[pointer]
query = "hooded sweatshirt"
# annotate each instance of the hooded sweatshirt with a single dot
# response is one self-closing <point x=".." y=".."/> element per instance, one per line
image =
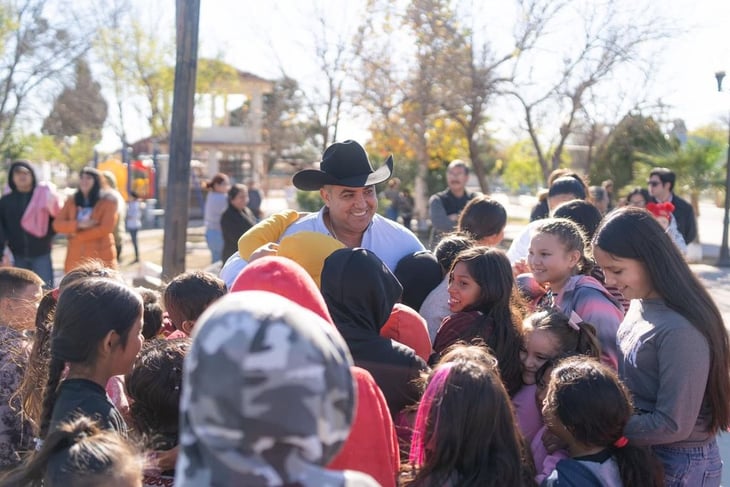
<point x="360" y="293"/>
<point x="372" y="446"/>
<point x="281" y="404"/>
<point x="12" y="208"/>
<point x="595" y="305"/>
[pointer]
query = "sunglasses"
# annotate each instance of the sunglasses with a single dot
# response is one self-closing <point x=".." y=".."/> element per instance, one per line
<point x="654" y="183"/>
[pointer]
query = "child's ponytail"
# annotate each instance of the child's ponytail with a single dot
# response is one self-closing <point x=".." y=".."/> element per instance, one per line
<point x="586" y="265"/>
<point x="77" y="453"/>
<point x="588" y="343"/>
<point x="589" y="400"/>
<point x="86" y="312"/>
<point x="637" y="465"/>
<point x="55" y="371"/>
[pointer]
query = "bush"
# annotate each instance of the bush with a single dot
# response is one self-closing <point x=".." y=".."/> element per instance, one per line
<point x="309" y="200"/>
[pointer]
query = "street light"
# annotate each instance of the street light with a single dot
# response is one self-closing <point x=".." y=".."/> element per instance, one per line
<point x="724" y="259"/>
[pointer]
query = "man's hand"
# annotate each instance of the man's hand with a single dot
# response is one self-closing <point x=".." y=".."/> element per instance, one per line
<point x="269" y="230"/>
<point x="454" y="217"/>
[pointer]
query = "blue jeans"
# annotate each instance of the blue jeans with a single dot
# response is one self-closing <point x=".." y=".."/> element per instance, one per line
<point x="41" y="265"/>
<point x="691" y="467"/>
<point x="214" y="238"/>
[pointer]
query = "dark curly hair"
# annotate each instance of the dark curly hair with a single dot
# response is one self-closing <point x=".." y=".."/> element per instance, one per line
<point x="155" y="384"/>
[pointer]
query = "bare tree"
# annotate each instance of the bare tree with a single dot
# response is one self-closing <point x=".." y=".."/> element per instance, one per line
<point x="36" y="54"/>
<point x="404" y="96"/>
<point x="613" y="36"/>
<point x="476" y="72"/>
<point x="138" y="65"/>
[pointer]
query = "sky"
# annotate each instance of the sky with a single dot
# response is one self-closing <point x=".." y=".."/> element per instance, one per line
<point x="265" y="38"/>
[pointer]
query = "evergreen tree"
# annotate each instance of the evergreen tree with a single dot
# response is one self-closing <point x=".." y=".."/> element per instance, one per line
<point x="80" y="109"/>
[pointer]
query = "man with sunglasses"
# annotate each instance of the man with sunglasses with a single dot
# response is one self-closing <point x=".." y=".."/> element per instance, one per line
<point x="661" y="186"/>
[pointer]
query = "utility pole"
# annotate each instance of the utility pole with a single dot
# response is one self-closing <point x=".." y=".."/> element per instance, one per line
<point x="187" y="15"/>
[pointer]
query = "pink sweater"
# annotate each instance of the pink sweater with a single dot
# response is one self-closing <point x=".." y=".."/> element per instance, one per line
<point x="44" y="204"/>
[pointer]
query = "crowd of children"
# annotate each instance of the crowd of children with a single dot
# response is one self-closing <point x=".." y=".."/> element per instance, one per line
<point x="605" y="364"/>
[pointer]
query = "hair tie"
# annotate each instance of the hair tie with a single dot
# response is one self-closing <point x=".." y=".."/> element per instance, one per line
<point x="55" y="292"/>
<point x="621" y="442"/>
<point x="574" y="321"/>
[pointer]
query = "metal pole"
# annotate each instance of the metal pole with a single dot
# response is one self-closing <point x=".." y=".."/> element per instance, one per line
<point x="724" y="259"/>
<point x="156" y="168"/>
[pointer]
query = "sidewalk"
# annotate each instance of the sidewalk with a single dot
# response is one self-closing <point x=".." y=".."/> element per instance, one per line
<point x="150" y="251"/>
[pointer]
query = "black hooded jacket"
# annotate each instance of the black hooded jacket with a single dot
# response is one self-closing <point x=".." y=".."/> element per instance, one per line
<point x="12" y="207"/>
<point x="360" y="293"/>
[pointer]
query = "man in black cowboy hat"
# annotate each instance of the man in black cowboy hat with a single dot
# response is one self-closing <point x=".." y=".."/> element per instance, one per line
<point x="346" y="182"/>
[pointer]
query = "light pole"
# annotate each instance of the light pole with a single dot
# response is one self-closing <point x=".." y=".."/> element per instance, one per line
<point x="724" y="259"/>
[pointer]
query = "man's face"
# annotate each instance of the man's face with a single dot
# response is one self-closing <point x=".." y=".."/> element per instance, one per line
<point x="456" y="179"/>
<point x="23" y="179"/>
<point x="657" y="189"/>
<point x="350" y="209"/>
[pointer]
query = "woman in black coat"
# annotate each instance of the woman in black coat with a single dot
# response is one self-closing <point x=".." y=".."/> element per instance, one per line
<point x="236" y="220"/>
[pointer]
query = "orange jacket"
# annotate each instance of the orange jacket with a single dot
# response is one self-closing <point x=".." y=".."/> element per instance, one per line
<point x="91" y="243"/>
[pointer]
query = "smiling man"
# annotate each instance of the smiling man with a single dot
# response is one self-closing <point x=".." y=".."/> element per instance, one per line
<point x="346" y="182"/>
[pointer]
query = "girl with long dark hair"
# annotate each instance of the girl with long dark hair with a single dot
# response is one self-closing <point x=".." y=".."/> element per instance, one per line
<point x="674" y="352"/>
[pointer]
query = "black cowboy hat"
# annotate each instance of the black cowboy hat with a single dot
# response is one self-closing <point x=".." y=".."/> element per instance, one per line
<point x="343" y="164"/>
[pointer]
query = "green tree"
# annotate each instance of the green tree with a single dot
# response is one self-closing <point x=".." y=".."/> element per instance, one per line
<point x="634" y="135"/>
<point x="520" y="168"/>
<point x="40" y="148"/>
<point x="288" y="133"/>
<point x="78" y="151"/>
<point x="78" y="109"/>
<point x="607" y="38"/>
<point x="698" y="164"/>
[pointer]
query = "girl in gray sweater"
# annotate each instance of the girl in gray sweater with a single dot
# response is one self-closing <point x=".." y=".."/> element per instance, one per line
<point x="673" y="348"/>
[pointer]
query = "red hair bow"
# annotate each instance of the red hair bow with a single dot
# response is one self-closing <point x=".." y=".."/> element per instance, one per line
<point x="661" y="209"/>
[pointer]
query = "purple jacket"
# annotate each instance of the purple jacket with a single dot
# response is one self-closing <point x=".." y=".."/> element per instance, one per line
<point x="595" y="305"/>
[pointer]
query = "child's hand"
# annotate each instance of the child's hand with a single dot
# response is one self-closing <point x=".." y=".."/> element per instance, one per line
<point x="520" y="267"/>
<point x="552" y="443"/>
<point x="166" y="459"/>
<point x="270" y="248"/>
